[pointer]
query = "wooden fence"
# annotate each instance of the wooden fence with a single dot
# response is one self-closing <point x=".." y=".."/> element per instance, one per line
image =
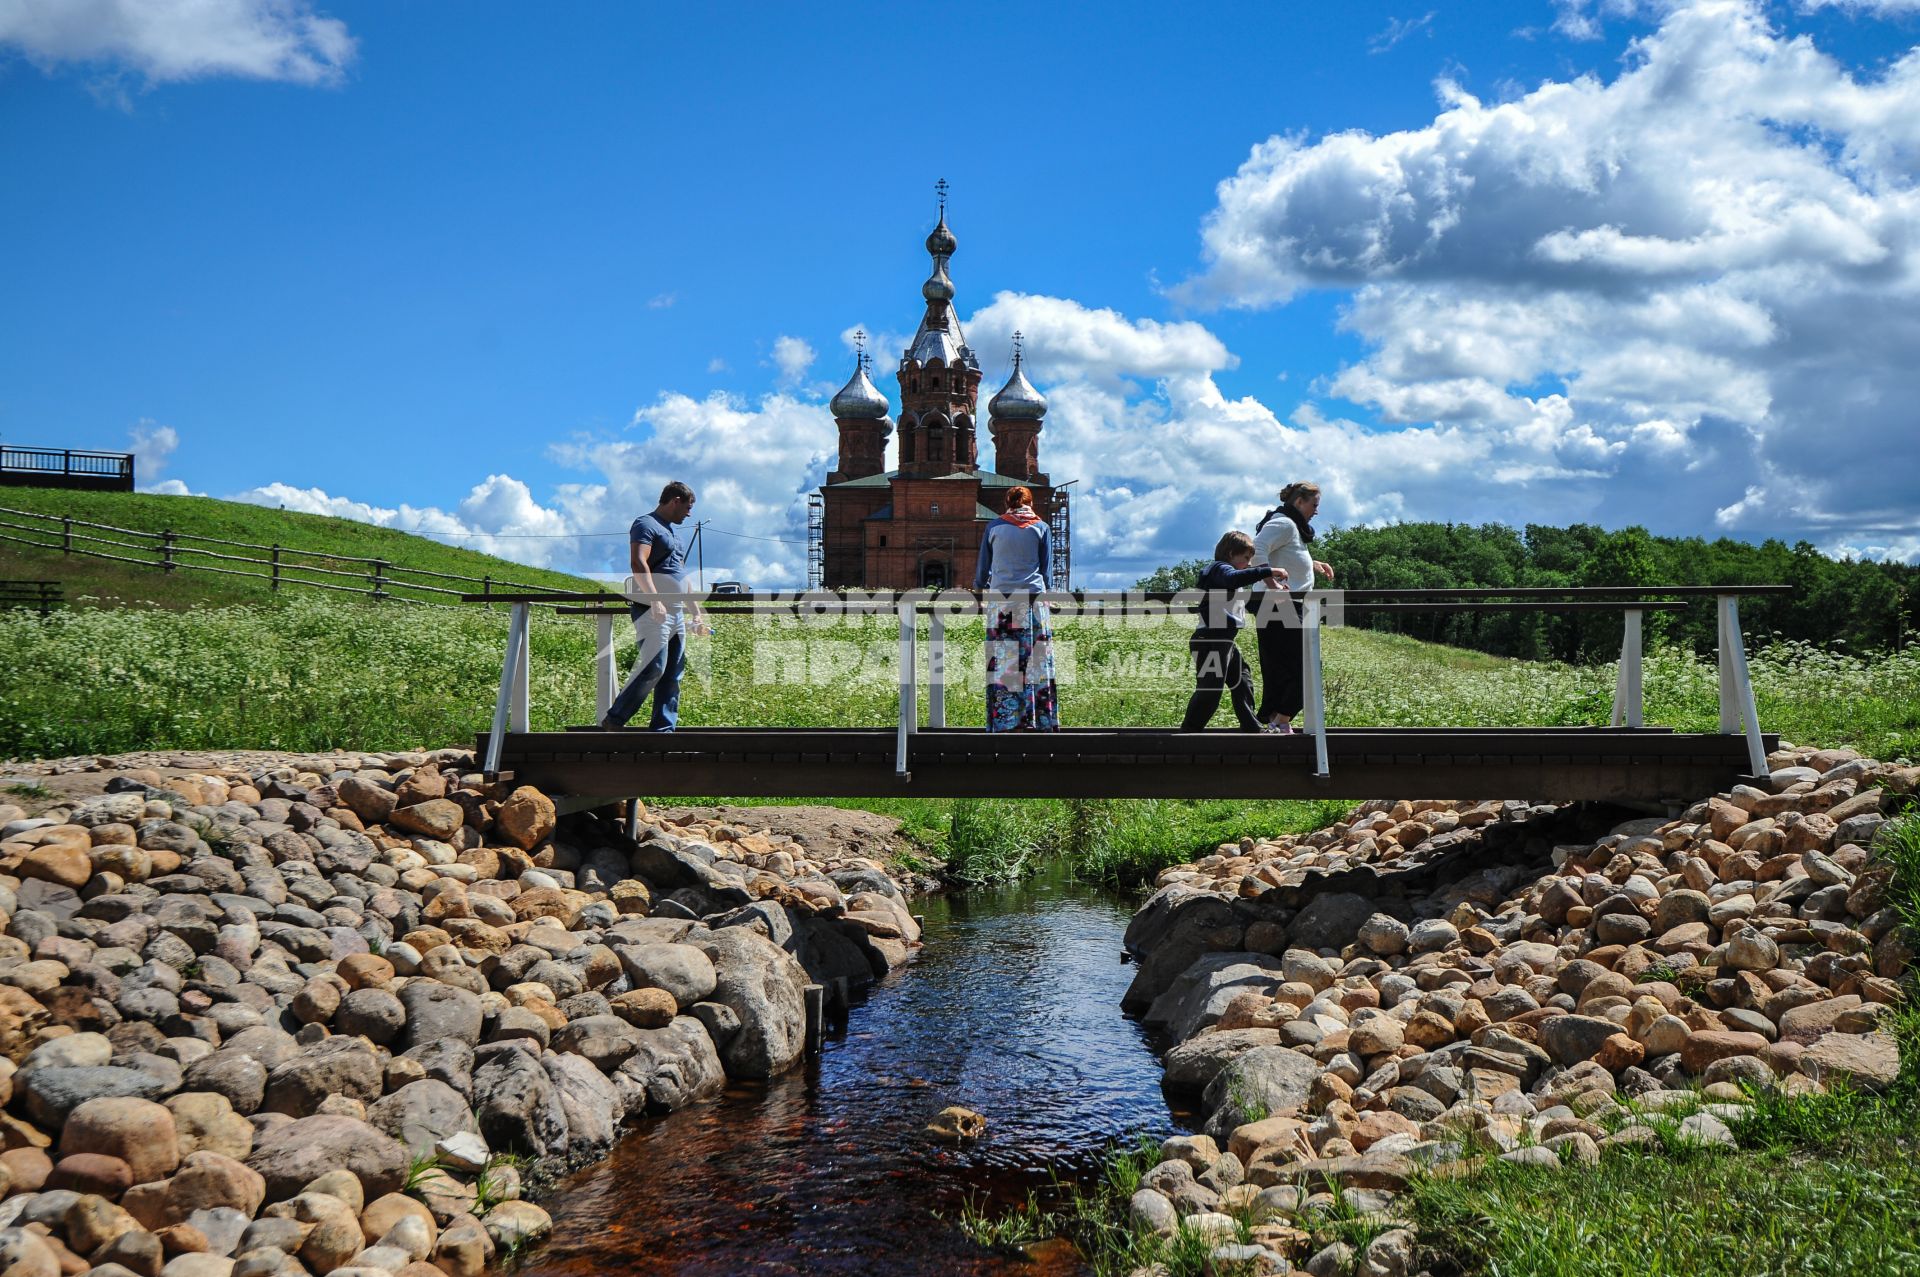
<point x="39" y="596"/>
<point x="170" y="551"/>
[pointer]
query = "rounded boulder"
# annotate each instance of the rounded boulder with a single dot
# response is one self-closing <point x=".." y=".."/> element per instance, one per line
<point x="139" y="1132"/>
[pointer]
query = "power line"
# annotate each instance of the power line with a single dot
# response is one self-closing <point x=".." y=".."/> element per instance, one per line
<point x="745" y="537"/>
<point x="568" y="536"/>
<point x="516" y="536"/>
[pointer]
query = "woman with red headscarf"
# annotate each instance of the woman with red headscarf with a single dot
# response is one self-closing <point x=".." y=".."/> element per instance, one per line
<point x="1015" y="564"/>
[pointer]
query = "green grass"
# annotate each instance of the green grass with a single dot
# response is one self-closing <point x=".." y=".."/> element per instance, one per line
<point x="489" y="1186"/>
<point x="99" y="582"/>
<point x="321" y="673"/>
<point x="1119" y="842"/>
<point x="421" y="1167"/>
<point x="1094" y="1217"/>
<point x="1031" y="1221"/>
<point x="1821" y="1185"/>
<point x="1691" y="1214"/>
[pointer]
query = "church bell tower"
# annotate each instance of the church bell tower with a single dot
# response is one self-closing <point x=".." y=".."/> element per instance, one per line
<point x="939" y="375"/>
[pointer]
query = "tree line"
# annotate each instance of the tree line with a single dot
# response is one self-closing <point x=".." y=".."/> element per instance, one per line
<point x="1859" y="604"/>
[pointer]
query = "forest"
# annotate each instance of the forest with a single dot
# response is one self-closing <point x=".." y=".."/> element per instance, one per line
<point x="1859" y="605"/>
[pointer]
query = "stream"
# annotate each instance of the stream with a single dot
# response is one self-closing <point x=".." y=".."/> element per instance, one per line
<point x="1011" y="1008"/>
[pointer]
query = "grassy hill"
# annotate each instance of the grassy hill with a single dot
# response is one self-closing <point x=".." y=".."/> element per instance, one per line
<point x="324" y="542"/>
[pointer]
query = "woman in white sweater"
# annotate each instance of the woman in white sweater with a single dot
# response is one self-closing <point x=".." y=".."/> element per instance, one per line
<point x="1280" y="540"/>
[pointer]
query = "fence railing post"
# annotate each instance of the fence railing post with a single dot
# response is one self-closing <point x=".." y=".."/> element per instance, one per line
<point x="379" y="579"/>
<point x="603" y="668"/>
<point x="1315" y="685"/>
<point x="166" y="550"/>
<point x="508" y="701"/>
<point x="522" y="673"/>
<point x="276" y="567"/>
<point x="1737" y="706"/>
<point x="936" y="668"/>
<point x="66" y="534"/>
<point x="1628" y="699"/>
<point x="909" y="704"/>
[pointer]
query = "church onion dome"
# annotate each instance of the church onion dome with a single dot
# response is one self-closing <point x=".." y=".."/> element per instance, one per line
<point x="1017" y="400"/>
<point x="941" y="242"/>
<point x="939" y="285"/>
<point x="860" y="400"/>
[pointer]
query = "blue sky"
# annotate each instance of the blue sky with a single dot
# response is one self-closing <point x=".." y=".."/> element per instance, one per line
<point x="495" y="271"/>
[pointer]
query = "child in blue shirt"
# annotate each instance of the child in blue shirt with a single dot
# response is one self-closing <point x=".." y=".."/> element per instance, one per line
<point x="1217" y="663"/>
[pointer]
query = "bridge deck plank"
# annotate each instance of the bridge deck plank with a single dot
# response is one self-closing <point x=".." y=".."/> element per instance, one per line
<point x="1618" y="764"/>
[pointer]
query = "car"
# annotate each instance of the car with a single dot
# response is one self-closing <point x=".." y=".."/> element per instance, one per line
<point x="731" y="587"/>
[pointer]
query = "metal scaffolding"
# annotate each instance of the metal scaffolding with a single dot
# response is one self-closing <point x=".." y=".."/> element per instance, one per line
<point x="816" y="540"/>
<point x="1060" y="529"/>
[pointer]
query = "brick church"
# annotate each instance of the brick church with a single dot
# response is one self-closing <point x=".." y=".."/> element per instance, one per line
<point x="919" y="524"/>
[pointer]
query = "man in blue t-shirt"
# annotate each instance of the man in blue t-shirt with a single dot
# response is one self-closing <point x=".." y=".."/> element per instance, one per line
<point x="658" y="562"/>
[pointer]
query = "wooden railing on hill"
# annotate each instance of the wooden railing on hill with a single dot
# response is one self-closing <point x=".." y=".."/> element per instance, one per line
<point x="170" y="551"/>
<point x="40" y="596"/>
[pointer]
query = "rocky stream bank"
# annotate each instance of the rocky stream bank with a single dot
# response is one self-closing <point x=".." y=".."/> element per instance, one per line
<point x="327" y="1015"/>
<point x="1428" y="985"/>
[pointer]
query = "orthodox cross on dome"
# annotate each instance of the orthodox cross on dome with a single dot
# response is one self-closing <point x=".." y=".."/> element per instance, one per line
<point x="860" y="348"/>
<point x="1016" y="349"/>
<point x="940" y="191"/>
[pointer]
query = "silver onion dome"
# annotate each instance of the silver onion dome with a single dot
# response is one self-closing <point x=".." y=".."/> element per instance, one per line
<point x="941" y="242"/>
<point x="859" y="400"/>
<point x="1017" y="400"/>
<point x="939" y="285"/>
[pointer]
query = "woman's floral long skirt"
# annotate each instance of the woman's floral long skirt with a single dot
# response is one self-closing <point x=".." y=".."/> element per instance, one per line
<point x="1020" y="692"/>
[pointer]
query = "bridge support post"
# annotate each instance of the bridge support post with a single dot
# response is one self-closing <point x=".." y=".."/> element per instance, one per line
<point x="909" y="701"/>
<point x="603" y="669"/>
<point x="1312" y="682"/>
<point x="815" y="998"/>
<point x="522" y="676"/>
<point x="1628" y="699"/>
<point x="936" y="667"/>
<point x="511" y="703"/>
<point x="1737" y="707"/>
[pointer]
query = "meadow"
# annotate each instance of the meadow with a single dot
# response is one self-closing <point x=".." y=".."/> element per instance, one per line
<point x="311" y="673"/>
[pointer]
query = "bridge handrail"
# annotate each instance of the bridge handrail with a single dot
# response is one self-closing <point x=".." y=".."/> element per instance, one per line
<point x="890" y="598"/>
<point x="1738" y="711"/>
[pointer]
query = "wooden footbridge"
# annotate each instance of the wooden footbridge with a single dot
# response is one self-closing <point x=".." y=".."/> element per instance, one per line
<point x="1621" y="761"/>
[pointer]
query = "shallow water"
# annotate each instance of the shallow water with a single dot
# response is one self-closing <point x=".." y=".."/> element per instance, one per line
<point x="1011" y="1008"/>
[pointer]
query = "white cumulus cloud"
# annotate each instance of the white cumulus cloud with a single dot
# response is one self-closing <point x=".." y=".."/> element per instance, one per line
<point x="751" y="465"/>
<point x="1698" y="279"/>
<point x="792" y="357"/>
<point x="171" y="40"/>
<point x="153" y="445"/>
<point x="498" y="516"/>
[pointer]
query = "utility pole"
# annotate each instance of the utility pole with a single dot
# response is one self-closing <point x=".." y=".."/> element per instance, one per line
<point x="700" y="557"/>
